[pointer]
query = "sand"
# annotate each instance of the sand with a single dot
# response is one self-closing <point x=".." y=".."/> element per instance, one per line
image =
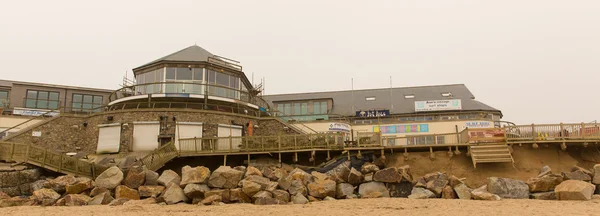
<point x="381" y="206"/>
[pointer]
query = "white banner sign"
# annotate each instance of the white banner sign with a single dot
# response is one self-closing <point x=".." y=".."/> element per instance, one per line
<point x="438" y="105"/>
<point x="33" y="112"/>
<point x="339" y="127"/>
<point x="478" y="124"/>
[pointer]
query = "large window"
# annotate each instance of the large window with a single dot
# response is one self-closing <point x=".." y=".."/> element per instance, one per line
<point x="232" y="84"/>
<point x="41" y="99"/>
<point x="3" y="98"/>
<point x="86" y="103"/>
<point x="293" y="108"/>
<point x="320" y="108"/>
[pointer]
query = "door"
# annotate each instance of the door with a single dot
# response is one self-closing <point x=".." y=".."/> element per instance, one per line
<point x="145" y="136"/>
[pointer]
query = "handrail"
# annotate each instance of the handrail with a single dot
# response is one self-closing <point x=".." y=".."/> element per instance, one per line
<point x="31" y="119"/>
<point x="183" y="105"/>
<point x="279" y="114"/>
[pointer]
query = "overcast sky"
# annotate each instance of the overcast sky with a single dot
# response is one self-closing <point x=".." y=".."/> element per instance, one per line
<point x="537" y="61"/>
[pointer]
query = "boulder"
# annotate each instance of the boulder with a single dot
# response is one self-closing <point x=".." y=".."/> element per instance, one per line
<point x="462" y="191"/>
<point x="148" y="201"/>
<point x="299" y="199"/>
<point x="250" y="188"/>
<point x="596" y="178"/>
<point x="16" y="201"/>
<point x="173" y="194"/>
<point x="262" y="181"/>
<point x="225" y="177"/>
<point x="274" y="173"/>
<point x="272" y="186"/>
<point x="421" y="182"/>
<point x="39" y="184"/>
<point x="60" y="183"/>
<point x="150" y="191"/>
<point x="253" y="171"/>
<point x="368" y="177"/>
<point x="340" y="172"/>
<point x="77" y="200"/>
<point x="437" y="186"/>
<point x="45" y="197"/>
<point x="118" y="202"/>
<point x="224" y="193"/>
<point x="301" y="175"/>
<point x="317" y="176"/>
<point x="195" y="175"/>
<point x="79" y="186"/>
<point x="101" y="199"/>
<point x="329" y="199"/>
<point x="355" y="178"/>
<point x="264" y="198"/>
<point x="313" y="199"/>
<point x="97" y="191"/>
<point x="168" y="177"/>
<point x="196" y="191"/>
<point x="483" y="194"/>
<point x="448" y="193"/>
<point x="421" y="193"/>
<point x="577" y="175"/>
<point x="544" y="196"/>
<point x="136" y="176"/>
<point x="211" y="199"/>
<point x="322" y="188"/>
<point x="545" y="171"/>
<point x="373" y="190"/>
<point x="59" y="202"/>
<point x="281" y="195"/>
<point x="298" y="188"/>
<point x="454" y="181"/>
<point x="508" y="188"/>
<point x="574" y="190"/>
<point x="110" y="178"/>
<point x="405" y="173"/>
<point x="369" y="168"/>
<point x="388" y="175"/>
<point x="4" y="196"/>
<point x="240" y="168"/>
<point x="401" y="189"/>
<point x="123" y="191"/>
<point x="238" y="196"/>
<point x="344" y="191"/>
<point x="432" y="176"/>
<point x="544" y="183"/>
<point x="151" y="177"/>
<point x="583" y="170"/>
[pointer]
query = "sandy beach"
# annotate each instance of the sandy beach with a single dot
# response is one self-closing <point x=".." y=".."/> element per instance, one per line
<point x="381" y="206"/>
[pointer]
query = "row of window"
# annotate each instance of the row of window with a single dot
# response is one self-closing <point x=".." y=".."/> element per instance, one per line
<point x="302" y="108"/>
<point x="429" y="118"/>
<point x="50" y="100"/>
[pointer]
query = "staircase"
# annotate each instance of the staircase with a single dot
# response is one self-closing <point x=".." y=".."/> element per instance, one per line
<point x="490" y="153"/>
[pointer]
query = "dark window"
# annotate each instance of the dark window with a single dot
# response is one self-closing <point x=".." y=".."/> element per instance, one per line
<point x="170" y="73"/>
<point x="41" y="99"/>
<point x="184" y="74"/>
<point x="198" y="74"/>
<point x="86" y="103"/>
<point x="3" y="98"/>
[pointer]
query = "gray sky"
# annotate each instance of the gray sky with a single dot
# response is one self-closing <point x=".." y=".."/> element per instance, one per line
<point x="537" y="61"/>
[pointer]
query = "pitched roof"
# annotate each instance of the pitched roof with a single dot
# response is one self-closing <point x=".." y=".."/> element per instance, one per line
<point x="189" y="54"/>
<point x="343" y="100"/>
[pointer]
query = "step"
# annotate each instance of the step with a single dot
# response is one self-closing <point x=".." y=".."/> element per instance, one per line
<point x="476" y="151"/>
<point x="493" y="160"/>
<point x="489" y="146"/>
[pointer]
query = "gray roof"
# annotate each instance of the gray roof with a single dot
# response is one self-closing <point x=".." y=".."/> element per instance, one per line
<point x="193" y="53"/>
<point x="342" y="100"/>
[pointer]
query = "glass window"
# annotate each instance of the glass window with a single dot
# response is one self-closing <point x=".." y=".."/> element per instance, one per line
<point x="297" y="108"/>
<point x="170" y="73"/>
<point x="160" y="75"/>
<point x="280" y="107"/>
<point x="198" y="75"/>
<point x="222" y="79"/>
<point x="317" y="108"/>
<point x="323" y="107"/>
<point x="86" y="103"/>
<point x="234" y="82"/>
<point x="3" y="98"/>
<point x="287" y="109"/>
<point x="184" y="74"/>
<point x="42" y="99"/>
<point x="304" y="110"/>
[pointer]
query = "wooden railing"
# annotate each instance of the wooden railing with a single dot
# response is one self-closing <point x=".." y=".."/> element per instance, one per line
<point x="157" y="158"/>
<point x="429" y="140"/>
<point x="580" y="132"/>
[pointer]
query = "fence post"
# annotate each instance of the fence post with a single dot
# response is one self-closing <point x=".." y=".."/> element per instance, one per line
<point x="295" y="142"/>
<point x="562" y="131"/>
<point x="12" y="151"/>
<point x="262" y="143"/>
<point x="195" y="145"/>
<point x="230" y="143"/>
<point x="533" y="137"/>
<point x="327" y="141"/>
<point x="27" y="153"/>
<point x="279" y="144"/>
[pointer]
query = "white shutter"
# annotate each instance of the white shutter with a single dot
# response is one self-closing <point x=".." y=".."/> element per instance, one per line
<point x="226" y="131"/>
<point x="186" y="130"/>
<point x="109" y="138"/>
<point x="145" y="136"/>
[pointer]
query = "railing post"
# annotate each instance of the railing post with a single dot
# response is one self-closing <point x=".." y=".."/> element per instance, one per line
<point x="230" y="143"/>
<point x="12" y="151"/>
<point x="295" y="141"/>
<point x="562" y="131"/>
<point x="262" y="143"/>
<point x="533" y="136"/>
<point x="279" y="143"/>
<point x="435" y="139"/>
<point x="195" y="145"/>
<point x="327" y="141"/>
<point x="27" y="153"/>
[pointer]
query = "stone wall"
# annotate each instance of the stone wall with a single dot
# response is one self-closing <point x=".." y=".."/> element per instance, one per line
<point x="17" y="180"/>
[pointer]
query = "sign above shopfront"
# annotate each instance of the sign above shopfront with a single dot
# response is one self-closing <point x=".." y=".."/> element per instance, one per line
<point x="372" y="113"/>
<point x="438" y="105"/>
<point x="339" y="127"/>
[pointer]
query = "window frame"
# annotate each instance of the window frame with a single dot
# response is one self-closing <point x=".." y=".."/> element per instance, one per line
<point x="94" y="106"/>
<point x="37" y="99"/>
<point x="4" y="102"/>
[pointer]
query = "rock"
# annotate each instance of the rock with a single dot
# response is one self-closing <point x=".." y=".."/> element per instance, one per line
<point x="250" y="188"/>
<point x="101" y="199"/>
<point x="253" y="171"/>
<point x="238" y="196"/>
<point x="150" y="191"/>
<point x="301" y="175"/>
<point x="299" y="199"/>
<point x="80" y="185"/>
<point x="135" y="177"/>
<point x="448" y="193"/>
<point x="76" y="200"/>
<point x="373" y="190"/>
<point x="421" y="183"/>
<point x="224" y="193"/>
<point x="272" y="186"/>
<point x="196" y="175"/>
<point x="60" y="202"/>
<point x="462" y="191"/>
<point x="596" y="178"/>
<point x="405" y="173"/>
<point x="39" y="184"/>
<point x="168" y="177"/>
<point x="344" y="191"/>
<point x="545" y="171"/>
<point x="368" y="177"/>
<point x="508" y="188"/>
<point x="328" y="199"/>
<point x="577" y="175"/>
<point x="211" y="199"/>
<point x="574" y="190"/>
<point x="596" y="197"/>
<point x="340" y="172"/>
<point x="45" y="197"/>
<point x="355" y="178"/>
<point x="240" y="168"/>
<point x="151" y="177"/>
<point x="298" y="188"/>
<point x="148" y="201"/>
<point x="402" y="189"/>
<point x="369" y="168"/>
<point x="483" y="194"/>
<point x="454" y="181"/>
<point x="544" y="196"/>
<point x="60" y="183"/>
<point x="173" y="194"/>
<point x="317" y="176"/>
<point x="118" y="202"/>
<point x="16" y="201"/>
<point x="274" y="174"/>
<point x="421" y="193"/>
<point x="388" y="175"/>
<point x="437" y="186"/>
<point x="281" y="195"/>
<point x="225" y="177"/>
<point x="123" y="191"/>
<point x="110" y="178"/>
<point x="264" y="198"/>
<point x="583" y="170"/>
<point x="544" y="183"/>
<point x="196" y="191"/>
<point x="4" y="196"/>
<point x="313" y="199"/>
<point x="97" y="191"/>
<point x="322" y="188"/>
<point x="432" y="176"/>
<point x="262" y="181"/>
